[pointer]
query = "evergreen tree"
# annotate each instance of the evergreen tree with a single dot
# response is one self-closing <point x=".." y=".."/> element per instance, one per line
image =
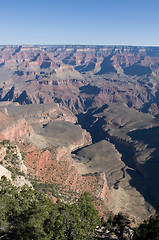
<point x="149" y="230"/>
<point x="26" y="214"/>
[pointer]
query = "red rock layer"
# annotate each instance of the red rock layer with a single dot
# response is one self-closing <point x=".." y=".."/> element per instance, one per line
<point x="12" y="129"/>
<point x="56" y="166"/>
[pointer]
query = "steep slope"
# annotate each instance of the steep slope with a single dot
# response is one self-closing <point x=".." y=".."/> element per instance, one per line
<point x="46" y="152"/>
<point x="110" y="89"/>
<point x="135" y="136"/>
<point x="109" y="169"/>
<point x="13" y="129"/>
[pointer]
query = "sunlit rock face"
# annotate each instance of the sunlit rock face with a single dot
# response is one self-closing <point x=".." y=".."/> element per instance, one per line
<point x="80" y="77"/>
<point x="86" y="117"/>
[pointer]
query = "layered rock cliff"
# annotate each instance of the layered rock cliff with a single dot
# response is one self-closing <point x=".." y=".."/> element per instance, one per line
<point x="46" y="152"/>
<point x="110" y="89"/>
<point x="79" y="77"/>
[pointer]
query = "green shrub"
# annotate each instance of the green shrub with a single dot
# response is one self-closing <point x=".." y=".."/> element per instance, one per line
<point x="148" y="230"/>
<point x="5" y="142"/>
<point x="27" y="214"/>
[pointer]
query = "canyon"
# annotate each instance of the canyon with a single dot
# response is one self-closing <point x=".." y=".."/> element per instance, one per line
<point x="85" y="118"/>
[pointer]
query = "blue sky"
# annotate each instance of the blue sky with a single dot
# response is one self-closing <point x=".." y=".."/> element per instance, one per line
<point x="98" y="22"/>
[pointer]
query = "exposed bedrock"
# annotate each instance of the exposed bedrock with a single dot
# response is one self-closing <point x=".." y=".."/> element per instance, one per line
<point x="12" y="165"/>
<point x="62" y="133"/>
<point x="56" y="165"/>
<point x="116" y="156"/>
<point x="81" y="77"/>
<point x="112" y="167"/>
<point x="13" y="129"/>
<point x="136" y="185"/>
<point x="34" y="113"/>
<point x="47" y="152"/>
<point x="102" y="157"/>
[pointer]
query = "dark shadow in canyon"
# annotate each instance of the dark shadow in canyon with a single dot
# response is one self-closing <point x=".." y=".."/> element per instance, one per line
<point x="107" y="66"/>
<point x="138" y="70"/>
<point x="45" y="65"/>
<point x="35" y="58"/>
<point x="138" y="181"/>
<point x="150" y="138"/>
<point x="9" y="95"/>
<point x="89" y="89"/>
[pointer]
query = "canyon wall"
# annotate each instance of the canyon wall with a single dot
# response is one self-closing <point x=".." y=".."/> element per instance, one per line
<point x="80" y="77"/>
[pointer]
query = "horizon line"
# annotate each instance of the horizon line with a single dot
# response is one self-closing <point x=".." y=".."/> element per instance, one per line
<point x="93" y="45"/>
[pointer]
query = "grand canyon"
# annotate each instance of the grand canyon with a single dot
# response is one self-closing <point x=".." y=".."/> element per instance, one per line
<point x="83" y="118"/>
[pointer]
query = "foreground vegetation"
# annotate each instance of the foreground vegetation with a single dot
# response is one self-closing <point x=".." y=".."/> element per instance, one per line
<point x="26" y="214"/>
<point x="149" y="230"/>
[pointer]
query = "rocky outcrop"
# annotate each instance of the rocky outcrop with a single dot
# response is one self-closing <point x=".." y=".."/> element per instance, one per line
<point x="38" y="113"/>
<point x="103" y="190"/>
<point x="16" y="131"/>
<point x="62" y="133"/>
<point x="85" y="141"/>
<point x="13" y="129"/>
<point x="10" y="156"/>
<point x="21" y="181"/>
<point x="102" y="157"/>
<point x="18" y="182"/>
<point x="5" y="172"/>
<point x="66" y="114"/>
<point x="12" y="166"/>
<point x="62" y="154"/>
<point x="56" y="166"/>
